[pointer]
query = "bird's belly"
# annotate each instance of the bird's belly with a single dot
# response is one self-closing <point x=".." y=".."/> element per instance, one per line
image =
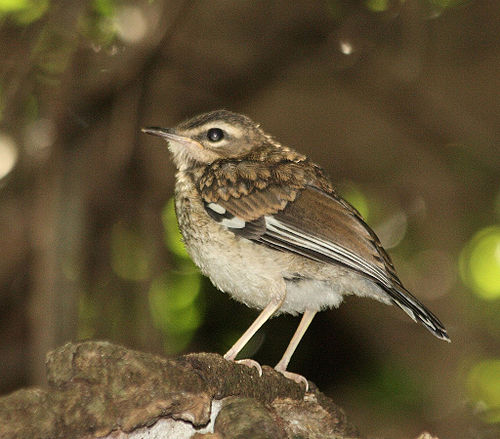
<point x="255" y="274"/>
<point x="311" y="293"/>
<point x="249" y="272"/>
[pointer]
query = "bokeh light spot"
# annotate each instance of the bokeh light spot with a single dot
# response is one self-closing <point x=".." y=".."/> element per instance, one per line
<point x="8" y="155"/>
<point x="24" y="11"/>
<point x="39" y="137"/>
<point x="355" y="196"/>
<point x="129" y="258"/>
<point x="173" y="291"/>
<point x="346" y="47"/>
<point x="12" y="5"/>
<point x="483" y="383"/>
<point x="173" y="237"/>
<point x="131" y="24"/>
<point x="377" y="5"/>
<point x="432" y="274"/>
<point x="480" y="263"/>
<point x="393" y="229"/>
<point x="105" y="8"/>
<point x="174" y="308"/>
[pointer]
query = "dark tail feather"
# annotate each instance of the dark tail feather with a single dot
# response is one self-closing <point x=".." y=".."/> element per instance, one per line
<point x="418" y="312"/>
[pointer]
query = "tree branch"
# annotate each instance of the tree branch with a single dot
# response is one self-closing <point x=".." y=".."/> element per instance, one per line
<point x="97" y="389"/>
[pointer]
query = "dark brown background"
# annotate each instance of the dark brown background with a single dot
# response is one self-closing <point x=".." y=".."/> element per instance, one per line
<point x="397" y="100"/>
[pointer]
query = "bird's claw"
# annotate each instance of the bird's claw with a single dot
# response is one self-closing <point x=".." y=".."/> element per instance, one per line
<point x="250" y="363"/>
<point x="299" y="379"/>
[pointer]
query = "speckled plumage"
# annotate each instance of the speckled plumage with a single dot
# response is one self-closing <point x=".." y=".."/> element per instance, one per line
<point x="266" y="226"/>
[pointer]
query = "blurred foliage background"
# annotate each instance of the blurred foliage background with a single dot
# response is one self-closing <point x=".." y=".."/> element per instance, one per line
<point x="398" y="100"/>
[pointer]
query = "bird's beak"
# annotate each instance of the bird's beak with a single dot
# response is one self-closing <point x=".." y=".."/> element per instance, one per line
<point x="169" y="135"/>
<point x="157" y="131"/>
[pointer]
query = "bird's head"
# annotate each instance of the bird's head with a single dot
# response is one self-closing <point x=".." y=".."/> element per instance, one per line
<point x="211" y="136"/>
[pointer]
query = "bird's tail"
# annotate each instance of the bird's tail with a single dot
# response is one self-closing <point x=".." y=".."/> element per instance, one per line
<point x="417" y="311"/>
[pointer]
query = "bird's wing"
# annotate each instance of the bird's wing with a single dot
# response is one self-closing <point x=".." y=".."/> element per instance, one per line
<point x="304" y="215"/>
<point x="333" y="231"/>
<point x="292" y="207"/>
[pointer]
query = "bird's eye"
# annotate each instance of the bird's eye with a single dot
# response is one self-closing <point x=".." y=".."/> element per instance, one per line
<point x="215" y="134"/>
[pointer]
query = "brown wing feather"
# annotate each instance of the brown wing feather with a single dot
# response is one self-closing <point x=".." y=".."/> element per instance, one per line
<point x="331" y="218"/>
<point x="252" y="189"/>
<point x="299" y="195"/>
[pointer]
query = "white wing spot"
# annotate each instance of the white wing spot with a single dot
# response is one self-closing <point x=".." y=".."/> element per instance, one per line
<point x="233" y="223"/>
<point x="217" y="208"/>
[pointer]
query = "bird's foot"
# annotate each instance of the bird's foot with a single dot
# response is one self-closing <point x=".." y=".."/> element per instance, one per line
<point x="299" y="379"/>
<point x="250" y="363"/>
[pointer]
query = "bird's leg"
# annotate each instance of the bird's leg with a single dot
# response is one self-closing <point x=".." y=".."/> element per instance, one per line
<point x="265" y="314"/>
<point x="283" y="363"/>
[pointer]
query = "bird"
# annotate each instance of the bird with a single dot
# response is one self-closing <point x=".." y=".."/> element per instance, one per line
<point x="267" y="226"/>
